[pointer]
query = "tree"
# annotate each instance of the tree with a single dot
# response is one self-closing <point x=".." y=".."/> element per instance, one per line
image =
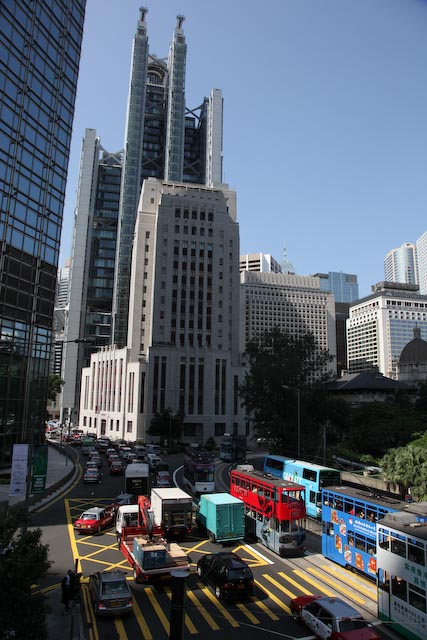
<point x="55" y="385"/>
<point x="280" y="367"/>
<point x="407" y="467"/>
<point x="24" y="561"/>
<point x="166" y="425"/>
<point x="379" y="426"/>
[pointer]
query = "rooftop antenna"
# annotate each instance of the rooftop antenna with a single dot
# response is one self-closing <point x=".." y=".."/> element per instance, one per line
<point x="180" y="20"/>
<point x="144" y="11"/>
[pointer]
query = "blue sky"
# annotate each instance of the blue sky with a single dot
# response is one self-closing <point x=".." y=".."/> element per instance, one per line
<point x="325" y="117"/>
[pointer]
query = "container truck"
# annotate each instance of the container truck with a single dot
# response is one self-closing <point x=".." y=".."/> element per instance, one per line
<point x="137" y="479"/>
<point x="173" y="511"/>
<point x="144" y="546"/>
<point x="222" y="517"/>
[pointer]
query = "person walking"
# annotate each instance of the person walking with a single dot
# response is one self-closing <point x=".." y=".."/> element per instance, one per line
<point x="66" y="590"/>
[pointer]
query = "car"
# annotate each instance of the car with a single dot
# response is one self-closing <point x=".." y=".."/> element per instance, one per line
<point x="92" y="475"/>
<point x="110" y="452"/>
<point x="95" y="519"/>
<point x="113" y="458"/>
<point x="110" y="593"/>
<point x="163" y="479"/>
<point x="228" y="574"/>
<point x="331" y="618"/>
<point x="116" y="467"/>
<point x="125" y="498"/>
<point x="91" y="464"/>
<point x="95" y="457"/>
<point x="153" y="460"/>
<point x="163" y="483"/>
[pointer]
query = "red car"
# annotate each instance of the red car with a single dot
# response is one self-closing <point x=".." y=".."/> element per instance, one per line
<point x="95" y="519"/>
<point x="331" y="618"/>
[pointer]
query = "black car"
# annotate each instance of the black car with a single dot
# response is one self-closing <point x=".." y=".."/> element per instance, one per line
<point x="229" y="575"/>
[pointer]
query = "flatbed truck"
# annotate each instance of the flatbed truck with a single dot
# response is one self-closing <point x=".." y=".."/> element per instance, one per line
<point x="144" y="546"/>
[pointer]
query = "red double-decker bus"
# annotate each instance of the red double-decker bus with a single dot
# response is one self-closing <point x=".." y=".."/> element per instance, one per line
<point x="274" y="510"/>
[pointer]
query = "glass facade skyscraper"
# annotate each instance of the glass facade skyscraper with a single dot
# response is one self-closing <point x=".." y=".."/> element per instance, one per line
<point x="163" y="139"/>
<point x="40" y="45"/>
<point x="344" y="286"/>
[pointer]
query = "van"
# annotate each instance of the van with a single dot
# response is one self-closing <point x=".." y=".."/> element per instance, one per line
<point x="87" y="446"/>
<point x="153" y="448"/>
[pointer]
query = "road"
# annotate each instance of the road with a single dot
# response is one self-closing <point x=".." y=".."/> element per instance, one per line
<point x="265" y="615"/>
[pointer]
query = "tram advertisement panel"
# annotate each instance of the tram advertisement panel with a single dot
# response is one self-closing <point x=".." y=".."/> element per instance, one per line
<point x="349" y="540"/>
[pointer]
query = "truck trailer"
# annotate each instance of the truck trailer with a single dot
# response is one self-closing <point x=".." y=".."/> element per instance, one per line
<point x="221" y="517"/>
<point x="173" y="511"/>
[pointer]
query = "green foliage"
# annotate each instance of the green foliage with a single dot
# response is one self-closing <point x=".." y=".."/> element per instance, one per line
<point x="210" y="444"/>
<point x="26" y="563"/>
<point x="55" y="385"/>
<point x="407" y="467"/>
<point x="167" y="426"/>
<point x="280" y="367"/>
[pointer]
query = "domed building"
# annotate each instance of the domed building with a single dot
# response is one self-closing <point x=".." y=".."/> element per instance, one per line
<point x="412" y="364"/>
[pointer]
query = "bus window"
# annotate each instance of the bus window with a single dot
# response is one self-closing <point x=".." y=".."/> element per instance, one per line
<point x="399" y="588"/>
<point x="416" y="552"/>
<point x="371" y="516"/>
<point x="398" y="547"/>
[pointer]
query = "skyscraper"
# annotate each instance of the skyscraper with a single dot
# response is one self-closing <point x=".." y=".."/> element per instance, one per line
<point x="163" y="139"/>
<point x="88" y="312"/>
<point x="400" y="265"/>
<point x="183" y="338"/>
<point x="344" y="286"/>
<point x="40" y="46"/>
<point x="421" y="252"/>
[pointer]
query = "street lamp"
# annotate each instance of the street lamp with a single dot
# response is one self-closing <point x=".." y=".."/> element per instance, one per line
<point x="298" y="390"/>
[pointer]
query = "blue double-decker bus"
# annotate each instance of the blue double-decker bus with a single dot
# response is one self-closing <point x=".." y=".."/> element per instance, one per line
<point x="312" y="476"/>
<point x="349" y="526"/>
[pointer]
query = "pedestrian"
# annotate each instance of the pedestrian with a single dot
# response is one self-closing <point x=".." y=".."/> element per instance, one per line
<point x="66" y="590"/>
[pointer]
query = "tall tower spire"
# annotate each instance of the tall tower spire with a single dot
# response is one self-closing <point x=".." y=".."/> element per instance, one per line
<point x="131" y="179"/>
<point x="174" y="157"/>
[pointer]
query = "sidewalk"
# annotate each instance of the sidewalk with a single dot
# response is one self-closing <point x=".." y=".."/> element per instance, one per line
<point x="61" y="473"/>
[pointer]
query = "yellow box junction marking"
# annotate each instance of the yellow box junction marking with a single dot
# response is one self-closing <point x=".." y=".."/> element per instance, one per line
<point x="280" y="587"/>
<point x="218" y="605"/>
<point x="294" y="583"/>
<point x="339" y="587"/>
<point x="207" y="616"/>
<point x="275" y="599"/>
<point x="318" y="586"/>
<point x="188" y="623"/>
<point x="141" y="621"/>
<point x="247" y="613"/>
<point x="367" y="587"/>
<point x="157" y="608"/>
<point x="263" y="607"/>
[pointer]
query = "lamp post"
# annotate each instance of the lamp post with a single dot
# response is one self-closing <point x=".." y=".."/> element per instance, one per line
<point x="298" y="390"/>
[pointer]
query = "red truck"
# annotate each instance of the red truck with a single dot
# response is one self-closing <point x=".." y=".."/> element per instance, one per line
<point x="143" y="545"/>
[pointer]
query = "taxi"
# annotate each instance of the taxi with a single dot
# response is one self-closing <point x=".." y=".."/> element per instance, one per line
<point x="95" y="519"/>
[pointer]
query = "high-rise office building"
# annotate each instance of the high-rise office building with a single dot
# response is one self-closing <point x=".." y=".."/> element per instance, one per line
<point x="421" y="253"/>
<point x="293" y="304"/>
<point x="344" y="286"/>
<point x="183" y="335"/>
<point x="381" y="325"/>
<point x="263" y="262"/>
<point x="88" y="312"/>
<point x="163" y="139"/>
<point x="400" y="265"/>
<point x="40" y="46"/>
<point x="152" y="146"/>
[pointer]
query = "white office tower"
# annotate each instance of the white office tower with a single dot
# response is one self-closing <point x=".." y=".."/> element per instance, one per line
<point x="263" y="262"/>
<point x="421" y="249"/>
<point x="183" y="331"/>
<point x="293" y="304"/>
<point x="380" y="325"/>
<point x="400" y="265"/>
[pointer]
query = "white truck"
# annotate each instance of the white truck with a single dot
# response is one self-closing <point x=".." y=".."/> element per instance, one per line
<point x="172" y="509"/>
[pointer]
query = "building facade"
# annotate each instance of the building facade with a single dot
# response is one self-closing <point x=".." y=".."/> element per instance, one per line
<point x="293" y="304"/>
<point x="400" y="265"/>
<point x="40" y="47"/>
<point x="183" y="335"/>
<point x="344" y="286"/>
<point x="163" y="139"/>
<point x="89" y="307"/>
<point x="263" y="262"/>
<point x="381" y="324"/>
<point x="421" y="251"/>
